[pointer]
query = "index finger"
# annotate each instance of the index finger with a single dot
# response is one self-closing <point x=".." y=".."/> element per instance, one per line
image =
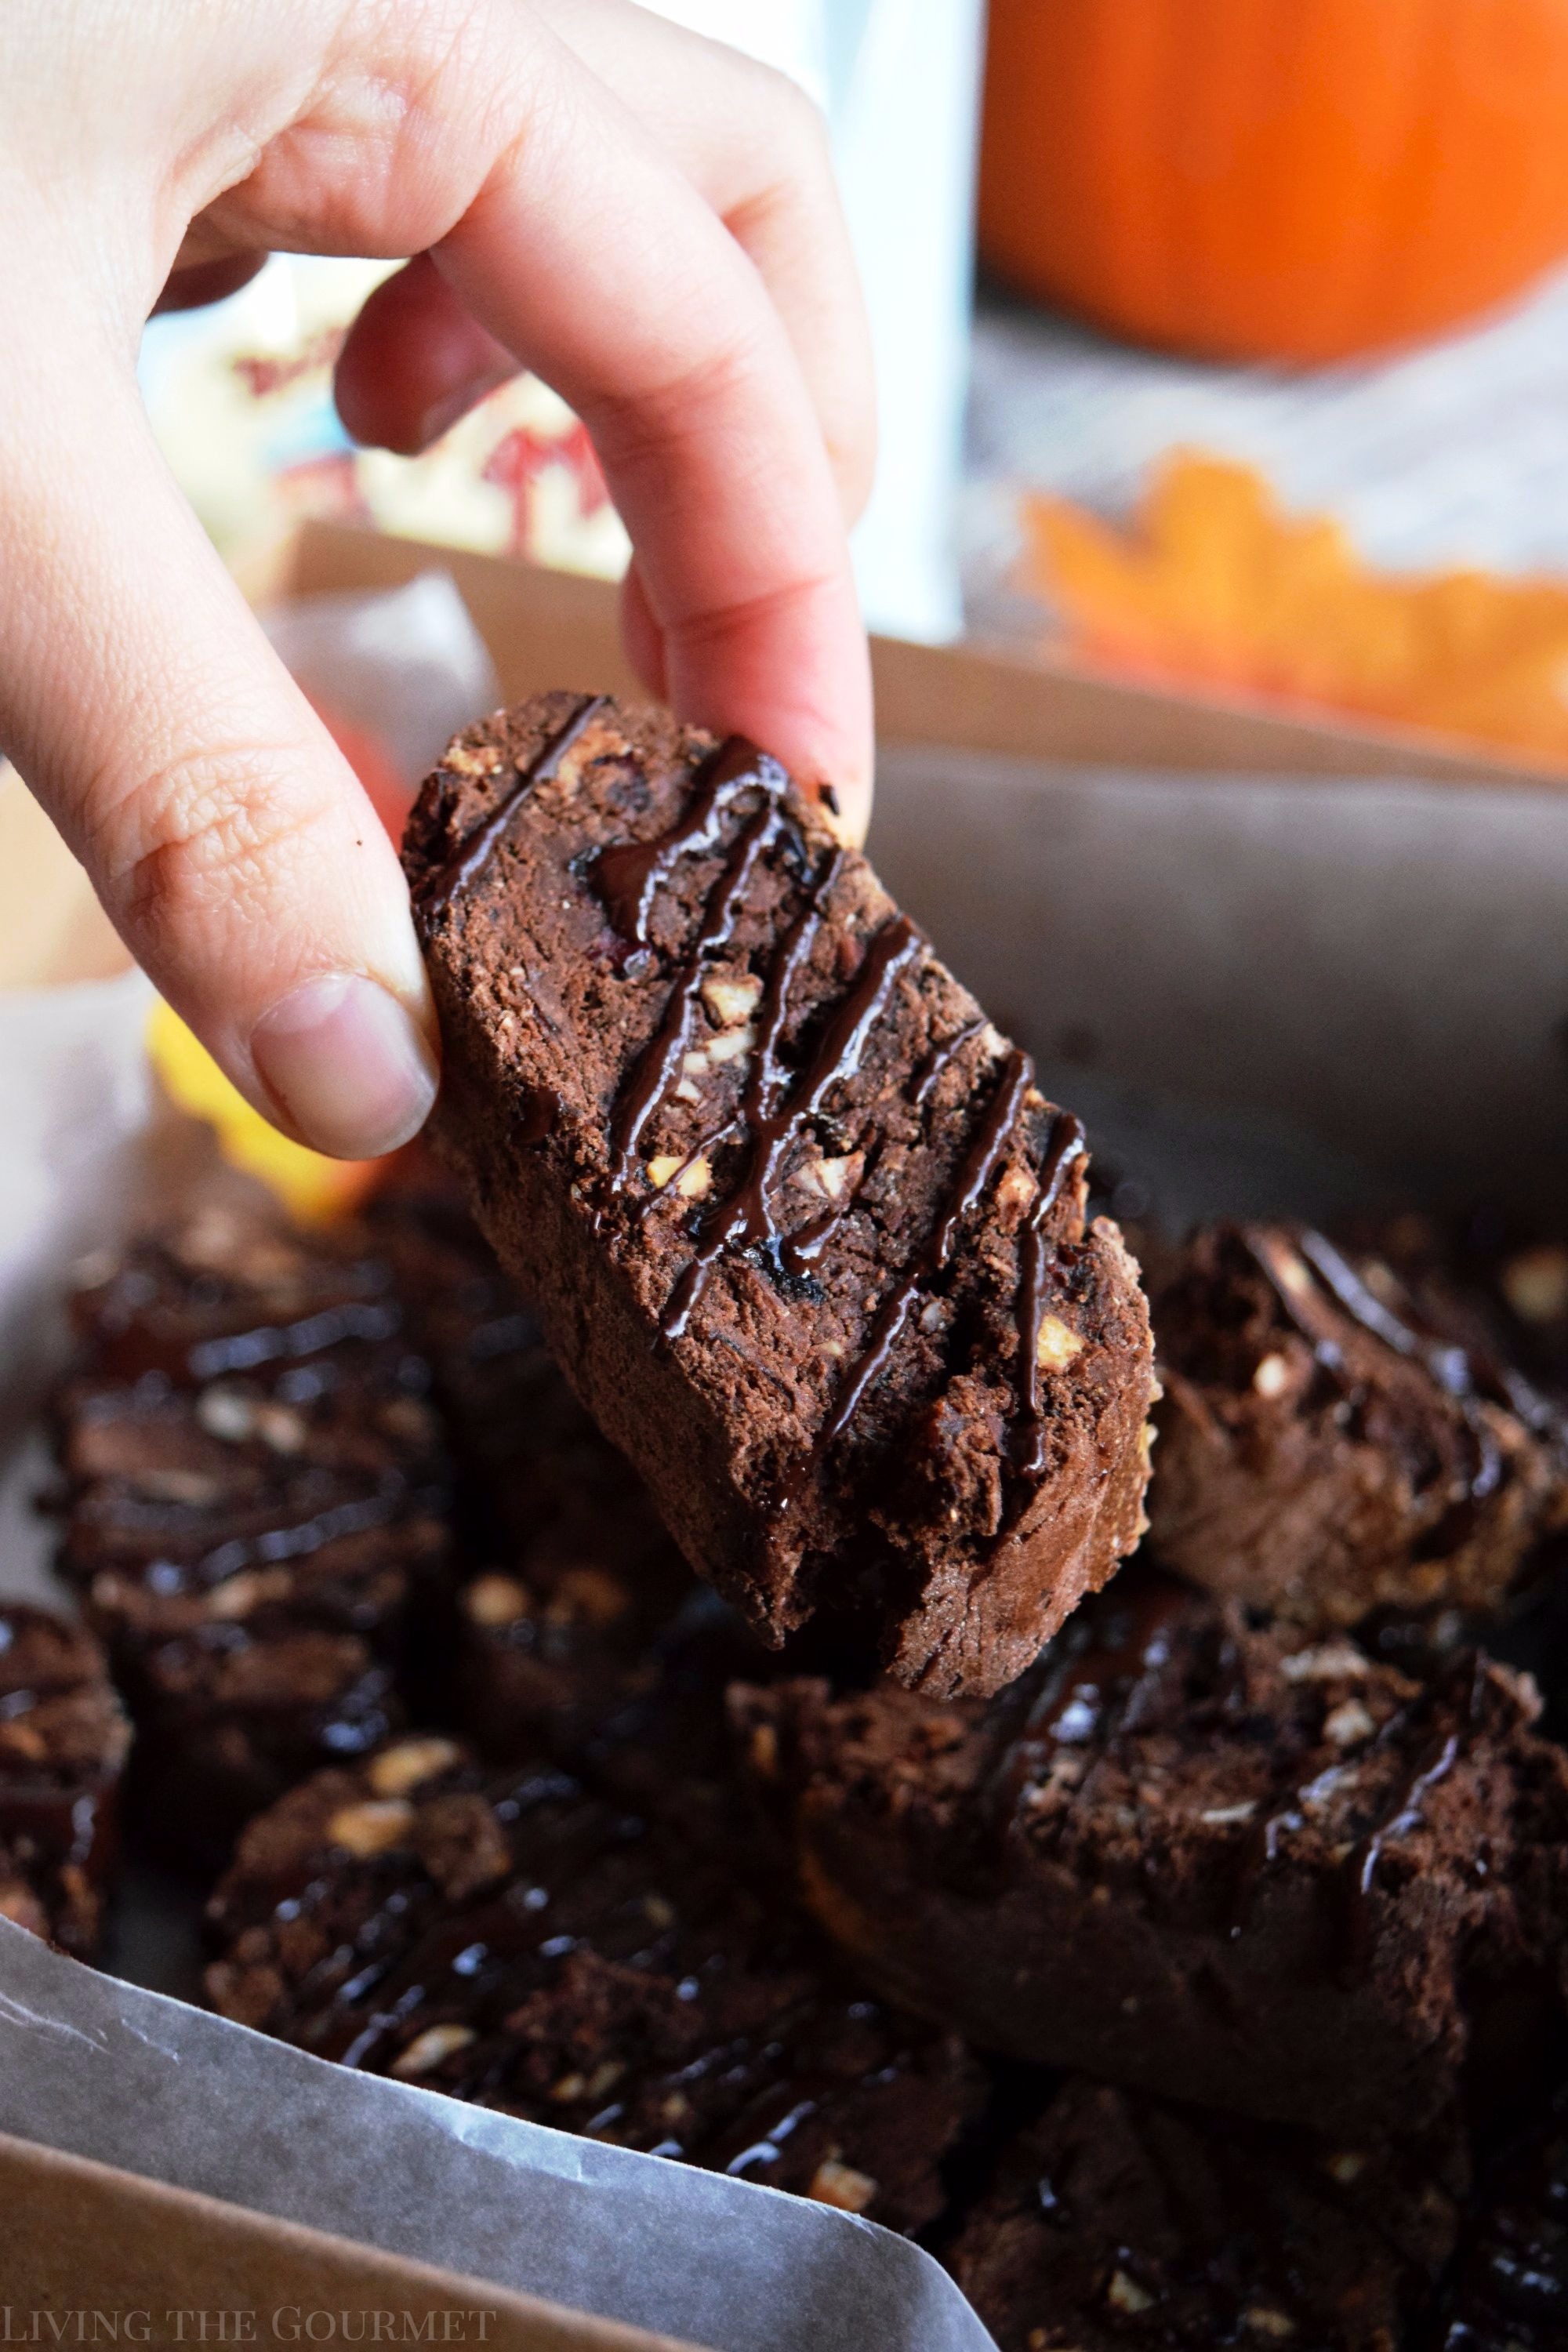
<point x="624" y="291"/>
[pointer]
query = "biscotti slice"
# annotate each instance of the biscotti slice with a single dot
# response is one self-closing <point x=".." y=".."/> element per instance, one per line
<point x="799" y="1223"/>
<point x="524" y="1448"/>
<point x="1326" y="1449"/>
<point x="1213" y="1859"/>
<point x="63" y="1744"/>
<point x="255" y="1506"/>
<point x="516" y="1941"/>
<point x="1119" y="2224"/>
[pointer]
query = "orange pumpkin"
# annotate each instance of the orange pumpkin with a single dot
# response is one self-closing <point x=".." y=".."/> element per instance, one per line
<point x="1295" y="180"/>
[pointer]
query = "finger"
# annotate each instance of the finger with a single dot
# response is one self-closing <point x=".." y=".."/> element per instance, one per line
<point x="413" y="362"/>
<point x="208" y="281"/>
<point x="231" y="843"/>
<point x="631" y="299"/>
<point x="640" y="631"/>
<point x="756" y="148"/>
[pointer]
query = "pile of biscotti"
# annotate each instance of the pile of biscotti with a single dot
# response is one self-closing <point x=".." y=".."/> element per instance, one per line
<point x="1178" y="1948"/>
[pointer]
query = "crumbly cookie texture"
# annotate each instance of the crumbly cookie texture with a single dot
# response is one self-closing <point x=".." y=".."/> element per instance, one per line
<point x="516" y="1940"/>
<point x="254" y="1506"/>
<point x="1226" y="1862"/>
<point x="64" y="1740"/>
<point x="1116" y="2223"/>
<point x="797" y="1221"/>
<point x="1329" y="1448"/>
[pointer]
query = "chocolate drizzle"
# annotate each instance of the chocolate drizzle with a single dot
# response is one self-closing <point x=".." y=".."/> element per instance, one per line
<point x="1450" y="1368"/>
<point x="1356" y="1879"/>
<point x="472" y="856"/>
<point x="941" y="1059"/>
<point x="1027" y="1435"/>
<point x="746" y="1217"/>
<point x="979" y="1164"/>
<point x="1408" y="1813"/>
<point x="627" y="874"/>
<point x="1090" y="1685"/>
<point x="776" y="1106"/>
<point x="653" y="1074"/>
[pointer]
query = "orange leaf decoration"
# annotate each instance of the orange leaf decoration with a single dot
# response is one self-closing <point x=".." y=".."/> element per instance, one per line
<point x="1214" y="582"/>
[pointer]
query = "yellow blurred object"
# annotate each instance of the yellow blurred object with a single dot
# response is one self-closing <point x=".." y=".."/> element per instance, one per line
<point x="1214" y="582"/>
<point x="311" y="1186"/>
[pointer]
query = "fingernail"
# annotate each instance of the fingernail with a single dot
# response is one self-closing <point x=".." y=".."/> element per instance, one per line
<point x="347" y="1063"/>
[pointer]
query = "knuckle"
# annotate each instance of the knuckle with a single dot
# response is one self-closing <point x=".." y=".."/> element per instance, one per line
<point x="212" y="832"/>
<point x="795" y="122"/>
<point x="633" y="430"/>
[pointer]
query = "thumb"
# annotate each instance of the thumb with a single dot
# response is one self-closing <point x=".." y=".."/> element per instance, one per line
<point x="232" y="845"/>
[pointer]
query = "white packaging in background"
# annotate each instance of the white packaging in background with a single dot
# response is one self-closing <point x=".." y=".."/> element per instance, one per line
<point x="74" y="1083"/>
<point x="898" y="81"/>
<point x="240" y="396"/>
<point x="408" y="665"/>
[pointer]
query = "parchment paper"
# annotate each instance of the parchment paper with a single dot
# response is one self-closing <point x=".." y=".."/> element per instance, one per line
<point x="102" y="2069"/>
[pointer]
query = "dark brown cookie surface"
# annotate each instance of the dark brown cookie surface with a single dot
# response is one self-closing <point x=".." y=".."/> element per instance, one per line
<point x="1217" y="1860"/>
<point x="1116" y="2221"/>
<point x="795" y="1219"/>
<point x="1327" y="1450"/>
<point x="517" y="1941"/>
<point x="64" y="1740"/>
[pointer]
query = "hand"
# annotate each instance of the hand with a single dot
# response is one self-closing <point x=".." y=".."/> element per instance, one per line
<point x="644" y="217"/>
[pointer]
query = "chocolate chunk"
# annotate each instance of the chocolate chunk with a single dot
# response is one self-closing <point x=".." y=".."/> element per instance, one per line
<point x="517" y="1941"/>
<point x="1116" y="2221"/>
<point x="797" y="1222"/>
<point x="1328" y="1449"/>
<point x="63" y="1744"/>
<point x="1213" y="1859"/>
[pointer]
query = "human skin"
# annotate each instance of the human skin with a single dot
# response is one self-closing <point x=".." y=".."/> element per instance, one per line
<point x="645" y="218"/>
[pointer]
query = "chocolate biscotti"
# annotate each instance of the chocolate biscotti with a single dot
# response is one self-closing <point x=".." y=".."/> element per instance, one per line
<point x="799" y="1223"/>
<point x="255" y="1507"/>
<point x="1118" y="2224"/>
<point x="1187" y="1852"/>
<point x="1327" y="1449"/>
<point x="517" y="1941"/>
<point x="63" y="1744"/>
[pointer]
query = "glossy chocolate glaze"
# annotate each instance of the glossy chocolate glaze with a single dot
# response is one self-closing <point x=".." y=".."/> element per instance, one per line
<point x="1461" y="1376"/>
<point x="627" y="874"/>
<point x="774" y="1120"/>
<point x="469" y="861"/>
<point x="778" y="1103"/>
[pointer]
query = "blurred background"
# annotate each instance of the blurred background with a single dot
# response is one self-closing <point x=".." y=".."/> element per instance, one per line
<point x="1221" y="342"/>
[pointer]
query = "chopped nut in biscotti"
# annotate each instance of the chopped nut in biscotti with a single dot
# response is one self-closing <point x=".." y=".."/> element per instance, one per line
<point x="1195" y="1853"/>
<point x="524" y="1944"/>
<point x="1328" y="1449"/>
<point x="370" y="1827"/>
<point x="738" y="1133"/>
<point x="64" y="1740"/>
